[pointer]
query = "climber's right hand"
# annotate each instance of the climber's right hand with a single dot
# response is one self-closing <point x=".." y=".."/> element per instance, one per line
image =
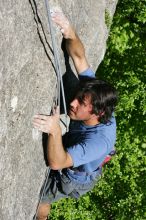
<point x="61" y="20"/>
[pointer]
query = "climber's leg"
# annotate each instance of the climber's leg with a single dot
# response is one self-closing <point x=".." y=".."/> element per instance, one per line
<point x="43" y="211"/>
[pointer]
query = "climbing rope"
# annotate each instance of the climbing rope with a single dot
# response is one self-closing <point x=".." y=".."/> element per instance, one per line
<point x="59" y="87"/>
<point x="43" y="190"/>
<point x="56" y="58"/>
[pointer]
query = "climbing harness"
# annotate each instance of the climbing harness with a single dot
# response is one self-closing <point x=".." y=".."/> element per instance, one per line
<point x="57" y="98"/>
<point x="108" y="157"/>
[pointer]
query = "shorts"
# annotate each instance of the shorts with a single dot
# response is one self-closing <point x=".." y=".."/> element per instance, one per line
<point x="59" y="185"/>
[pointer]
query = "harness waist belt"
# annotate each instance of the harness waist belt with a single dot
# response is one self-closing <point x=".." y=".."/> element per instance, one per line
<point x="82" y="173"/>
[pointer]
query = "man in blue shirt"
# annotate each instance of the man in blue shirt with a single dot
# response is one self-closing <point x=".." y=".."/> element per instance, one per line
<point x="75" y="160"/>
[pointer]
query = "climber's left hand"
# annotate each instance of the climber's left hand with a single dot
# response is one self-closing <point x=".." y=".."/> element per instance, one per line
<point x="48" y="124"/>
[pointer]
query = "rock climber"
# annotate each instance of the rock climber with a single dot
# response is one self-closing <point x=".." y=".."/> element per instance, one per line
<point x="75" y="160"/>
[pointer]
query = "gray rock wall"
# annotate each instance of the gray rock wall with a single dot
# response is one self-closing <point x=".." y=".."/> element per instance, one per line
<point x="27" y="86"/>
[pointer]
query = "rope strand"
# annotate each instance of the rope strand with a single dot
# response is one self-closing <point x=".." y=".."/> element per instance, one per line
<point x="56" y="58"/>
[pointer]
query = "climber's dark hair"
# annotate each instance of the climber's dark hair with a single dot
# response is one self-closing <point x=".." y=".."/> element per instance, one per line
<point x="103" y="97"/>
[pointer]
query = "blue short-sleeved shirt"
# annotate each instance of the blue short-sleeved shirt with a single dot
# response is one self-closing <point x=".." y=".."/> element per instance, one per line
<point x="89" y="145"/>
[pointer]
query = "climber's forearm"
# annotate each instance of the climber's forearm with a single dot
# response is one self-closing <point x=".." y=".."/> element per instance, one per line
<point x="76" y="51"/>
<point x="55" y="152"/>
<point x="58" y="158"/>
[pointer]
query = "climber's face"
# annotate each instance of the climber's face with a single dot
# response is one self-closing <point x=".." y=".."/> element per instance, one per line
<point x="82" y="111"/>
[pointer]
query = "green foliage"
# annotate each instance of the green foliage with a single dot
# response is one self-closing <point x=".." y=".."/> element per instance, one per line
<point x="108" y="19"/>
<point x="121" y="192"/>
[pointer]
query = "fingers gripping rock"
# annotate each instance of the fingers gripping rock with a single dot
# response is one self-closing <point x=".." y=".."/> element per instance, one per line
<point x="62" y="21"/>
<point x="48" y="124"/>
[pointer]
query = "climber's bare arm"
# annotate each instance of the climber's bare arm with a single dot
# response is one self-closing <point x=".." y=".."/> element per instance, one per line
<point x="74" y="45"/>
<point x="58" y="158"/>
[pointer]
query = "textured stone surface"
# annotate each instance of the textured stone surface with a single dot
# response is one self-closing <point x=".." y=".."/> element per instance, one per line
<point x="27" y="86"/>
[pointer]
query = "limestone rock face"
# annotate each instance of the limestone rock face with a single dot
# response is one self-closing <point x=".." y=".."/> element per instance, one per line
<point x="28" y="85"/>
